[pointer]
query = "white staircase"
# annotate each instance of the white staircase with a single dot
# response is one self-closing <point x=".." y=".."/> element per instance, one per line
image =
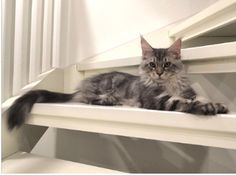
<point x="212" y="25"/>
<point x="22" y="162"/>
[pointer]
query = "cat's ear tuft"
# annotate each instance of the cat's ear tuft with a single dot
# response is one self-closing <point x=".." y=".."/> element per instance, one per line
<point x="176" y="47"/>
<point x="147" y="50"/>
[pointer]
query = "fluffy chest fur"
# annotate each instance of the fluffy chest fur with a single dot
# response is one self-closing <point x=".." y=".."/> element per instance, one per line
<point x="173" y="86"/>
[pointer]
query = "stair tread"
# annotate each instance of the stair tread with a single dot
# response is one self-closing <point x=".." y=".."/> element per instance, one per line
<point x="137" y="122"/>
<point x="133" y="115"/>
<point x="22" y="162"/>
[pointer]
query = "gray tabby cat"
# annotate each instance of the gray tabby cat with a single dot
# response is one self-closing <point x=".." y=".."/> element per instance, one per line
<point x="162" y="85"/>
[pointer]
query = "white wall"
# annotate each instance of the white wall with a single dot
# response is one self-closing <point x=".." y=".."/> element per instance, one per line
<point x="93" y="27"/>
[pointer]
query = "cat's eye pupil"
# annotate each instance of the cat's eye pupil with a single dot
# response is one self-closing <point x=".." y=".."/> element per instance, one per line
<point x="152" y="65"/>
<point x="167" y="64"/>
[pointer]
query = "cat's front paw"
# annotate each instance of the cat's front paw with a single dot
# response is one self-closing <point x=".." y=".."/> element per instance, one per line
<point x="221" y="108"/>
<point x="200" y="108"/>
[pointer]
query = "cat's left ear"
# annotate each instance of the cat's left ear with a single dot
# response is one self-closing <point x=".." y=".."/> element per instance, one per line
<point x="176" y="47"/>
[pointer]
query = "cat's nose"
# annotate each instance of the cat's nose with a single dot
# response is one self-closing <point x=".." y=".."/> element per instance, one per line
<point x="159" y="73"/>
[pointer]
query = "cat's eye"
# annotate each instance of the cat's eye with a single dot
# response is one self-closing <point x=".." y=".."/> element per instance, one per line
<point x="167" y="64"/>
<point x="151" y="64"/>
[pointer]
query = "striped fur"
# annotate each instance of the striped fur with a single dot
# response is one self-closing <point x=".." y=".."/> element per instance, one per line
<point x="162" y="85"/>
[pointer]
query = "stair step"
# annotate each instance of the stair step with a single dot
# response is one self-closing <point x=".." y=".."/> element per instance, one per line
<point x="22" y="162"/>
<point x="219" y="131"/>
<point x="218" y="15"/>
<point x="215" y="58"/>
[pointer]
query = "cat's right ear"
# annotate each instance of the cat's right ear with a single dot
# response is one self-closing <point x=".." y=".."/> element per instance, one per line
<point x="147" y="50"/>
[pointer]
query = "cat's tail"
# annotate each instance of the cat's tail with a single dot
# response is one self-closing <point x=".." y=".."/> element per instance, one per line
<point x="22" y="106"/>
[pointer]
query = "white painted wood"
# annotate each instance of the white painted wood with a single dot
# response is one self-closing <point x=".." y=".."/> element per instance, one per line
<point x="47" y="35"/>
<point x="102" y="64"/>
<point x="222" y="65"/>
<point x="205" y="59"/>
<point x="8" y="18"/>
<point x="214" y="51"/>
<point x="22" y="162"/>
<point x="36" y="39"/>
<point x="218" y="131"/>
<point x="208" y="40"/>
<point x="43" y="81"/>
<point x="219" y="14"/>
<point x="56" y="33"/>
<point x="217" y="58"/>
<point x="21" y="42"/>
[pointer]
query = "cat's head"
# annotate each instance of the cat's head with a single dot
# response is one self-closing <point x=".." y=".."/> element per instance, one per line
<point x="161" y="64"/>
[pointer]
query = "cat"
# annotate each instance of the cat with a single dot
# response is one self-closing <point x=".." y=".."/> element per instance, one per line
<point x="161" y="85"/>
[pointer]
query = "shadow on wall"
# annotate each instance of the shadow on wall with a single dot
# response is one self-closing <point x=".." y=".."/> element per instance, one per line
<point x="141" y="155"/>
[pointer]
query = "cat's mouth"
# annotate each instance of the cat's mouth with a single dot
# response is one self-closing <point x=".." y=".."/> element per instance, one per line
<point x="160" y="79"/>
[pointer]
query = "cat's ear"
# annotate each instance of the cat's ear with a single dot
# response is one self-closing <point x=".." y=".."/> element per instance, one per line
<point x="147" y="50"/>
<point x="176" y="47"/>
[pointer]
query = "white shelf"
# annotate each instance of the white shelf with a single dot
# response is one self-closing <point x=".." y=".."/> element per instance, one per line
<point x="218" y="131"/>
<point x="22" y="162"/>
<point x="218" y="15"/>
<point x="215" y="58"/>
